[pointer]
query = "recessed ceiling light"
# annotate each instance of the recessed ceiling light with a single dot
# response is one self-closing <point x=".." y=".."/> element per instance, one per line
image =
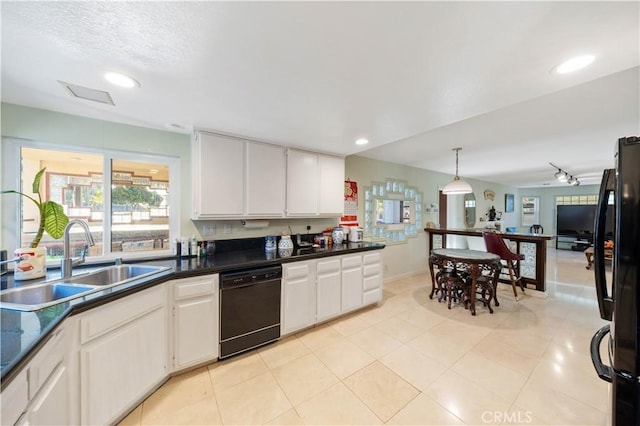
<point x="121" y="80"/>
<point x="362" y="142"/>
<point x="574" y="64"/>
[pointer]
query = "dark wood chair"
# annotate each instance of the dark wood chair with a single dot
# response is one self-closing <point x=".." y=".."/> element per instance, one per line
<point x="452" y="286"/>
<point x="496" y="245"/>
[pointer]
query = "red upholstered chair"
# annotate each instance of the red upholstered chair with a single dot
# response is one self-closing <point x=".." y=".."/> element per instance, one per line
<point x="496" y="245"/>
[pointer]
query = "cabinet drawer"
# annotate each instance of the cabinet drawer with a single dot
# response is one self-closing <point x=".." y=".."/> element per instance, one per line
<point x="114" y="315"/>
<point x="351" y="262"/>
<point x="193" y="287"/>
<point x="370" y="270"/>
<point x="372" y="296"/>
<point x="46" y="360"/>
<point x="370" y="258"/>
<point x="297" y="270"/>
<point x="325" y="266"/>
<point x="371" y="282"/>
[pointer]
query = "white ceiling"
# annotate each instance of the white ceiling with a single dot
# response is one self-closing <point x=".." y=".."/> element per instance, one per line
<point x="415" y="78"/>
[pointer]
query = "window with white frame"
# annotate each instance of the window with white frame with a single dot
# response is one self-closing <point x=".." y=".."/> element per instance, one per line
<point x="125" y="198"/>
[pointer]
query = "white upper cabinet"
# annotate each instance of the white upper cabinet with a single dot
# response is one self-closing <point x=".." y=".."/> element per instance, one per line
<point x="235" y="178"/>
<point x="331" y="185"/>
<point x="315" y="184"/>
<point x="303" y="183"/>
<point x="218" y="176"/>
<point x="266" y="174"/>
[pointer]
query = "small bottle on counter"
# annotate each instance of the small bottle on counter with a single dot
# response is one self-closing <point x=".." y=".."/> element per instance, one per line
<point x="184" y="245"/>
<point x="193" y="247"/>
<point x="177" y="248"/>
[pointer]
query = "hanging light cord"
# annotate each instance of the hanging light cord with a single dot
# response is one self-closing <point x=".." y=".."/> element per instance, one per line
<point x="456" y="150"/>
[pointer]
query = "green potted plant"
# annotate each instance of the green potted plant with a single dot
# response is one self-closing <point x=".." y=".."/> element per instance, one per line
<point x="53" y="220"/>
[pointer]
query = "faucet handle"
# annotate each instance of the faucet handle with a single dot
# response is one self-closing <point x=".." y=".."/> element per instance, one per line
<point x="85" y="251"/>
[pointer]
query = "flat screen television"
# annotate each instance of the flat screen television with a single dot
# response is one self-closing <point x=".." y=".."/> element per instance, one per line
<point x="578" y="220"/>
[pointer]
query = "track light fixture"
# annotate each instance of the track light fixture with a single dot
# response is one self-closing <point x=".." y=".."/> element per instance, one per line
<point x="564" y="176"/>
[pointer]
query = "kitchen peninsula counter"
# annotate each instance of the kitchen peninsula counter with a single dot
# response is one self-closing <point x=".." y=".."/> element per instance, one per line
<point x="534" y="247"/>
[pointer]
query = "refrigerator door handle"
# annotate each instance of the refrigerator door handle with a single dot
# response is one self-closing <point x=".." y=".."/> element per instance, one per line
<point x="605" y="301"/>
<point x="605" y="372"/>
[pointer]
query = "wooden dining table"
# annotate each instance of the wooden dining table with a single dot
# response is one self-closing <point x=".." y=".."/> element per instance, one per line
<point x="473" y="267"/>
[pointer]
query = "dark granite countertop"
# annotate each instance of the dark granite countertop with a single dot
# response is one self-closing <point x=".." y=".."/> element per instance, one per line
<point x="22" y="333"/>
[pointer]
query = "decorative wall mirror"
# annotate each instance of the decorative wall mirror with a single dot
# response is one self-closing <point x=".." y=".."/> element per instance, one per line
<point x="392" y="211"/>
<point x="469" y="210"/>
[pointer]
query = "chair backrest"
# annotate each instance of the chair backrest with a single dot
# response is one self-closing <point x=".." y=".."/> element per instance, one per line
<point x="496" y="245"/>
<point x="536" y="229"/>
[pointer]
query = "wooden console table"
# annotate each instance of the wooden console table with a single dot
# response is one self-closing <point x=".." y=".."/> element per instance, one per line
<point x="532" y="269"/>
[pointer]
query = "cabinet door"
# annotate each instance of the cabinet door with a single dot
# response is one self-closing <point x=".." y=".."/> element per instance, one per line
<point x="351" y="283"/>
<point x="266" y="180"/>
<point x="331" y="185"/>
<point x="328" y="304"/>
<point x="51" y="405"/>
<point x="14" y="399"/>
<point x="121" y="366"/>
<point x="219" y="180"/>
<point x="196" y="330"/>
<point x="303" y="183"/>
<point x="298" y="296"/>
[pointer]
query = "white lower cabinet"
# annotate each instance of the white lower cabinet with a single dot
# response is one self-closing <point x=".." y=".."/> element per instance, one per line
<point x="195" y="320"/>
<point x="123" y="354"/>
<point x="14" y="399"/>
<point x="40" y="394"/>
<point x="314" y="291"/>
<point x="298" y="296"/>
<point x="351" y="282"/>
<point x="329" y="282"/>
<point x="52" y="406"/>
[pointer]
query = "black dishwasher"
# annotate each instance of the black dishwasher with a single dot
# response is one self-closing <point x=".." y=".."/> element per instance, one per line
<point x="249" y="309"/>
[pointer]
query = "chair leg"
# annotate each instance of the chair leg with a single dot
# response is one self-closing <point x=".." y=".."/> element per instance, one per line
<point x="518" y="278"/>
<point x="513" y="281"/>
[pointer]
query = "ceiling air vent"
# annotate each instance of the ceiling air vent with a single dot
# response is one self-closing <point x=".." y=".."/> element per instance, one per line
<point x="87" y="93"/>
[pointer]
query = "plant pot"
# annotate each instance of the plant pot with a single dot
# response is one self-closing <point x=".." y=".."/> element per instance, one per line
<point x="33" y="265"/>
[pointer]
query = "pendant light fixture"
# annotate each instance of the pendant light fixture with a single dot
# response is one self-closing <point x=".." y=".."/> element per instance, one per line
<point x="457" y="185"/>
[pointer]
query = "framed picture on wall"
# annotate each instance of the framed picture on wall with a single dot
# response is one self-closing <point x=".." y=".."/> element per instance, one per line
<point x="508" y="203"/>
<point x="530" y="210"/>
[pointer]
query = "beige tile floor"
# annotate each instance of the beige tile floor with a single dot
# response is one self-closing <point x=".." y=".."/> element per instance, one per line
<point x="410" y="360"/>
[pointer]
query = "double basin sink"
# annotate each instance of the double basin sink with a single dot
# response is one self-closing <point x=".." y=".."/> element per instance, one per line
<point x="41" y="295"/>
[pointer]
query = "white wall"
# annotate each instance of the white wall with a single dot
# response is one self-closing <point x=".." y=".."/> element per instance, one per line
<point x="548" y="203"/>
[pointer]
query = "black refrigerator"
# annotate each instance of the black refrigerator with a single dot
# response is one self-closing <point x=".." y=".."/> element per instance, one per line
<point x="619" y="301"/>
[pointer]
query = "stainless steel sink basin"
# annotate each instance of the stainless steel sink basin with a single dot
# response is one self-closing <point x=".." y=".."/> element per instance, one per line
<point x="116" y="274"/>
<point x="38" y="296"/>
<point x="42" y="295"/>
